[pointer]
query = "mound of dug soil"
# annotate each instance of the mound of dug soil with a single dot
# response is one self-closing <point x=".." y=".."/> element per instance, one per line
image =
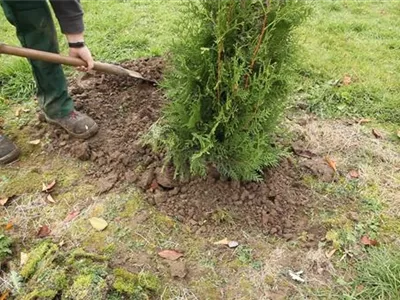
<point x="125" y="108"/>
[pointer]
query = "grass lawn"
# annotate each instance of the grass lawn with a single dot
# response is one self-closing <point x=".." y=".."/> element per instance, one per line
<point x="348" y="69"/>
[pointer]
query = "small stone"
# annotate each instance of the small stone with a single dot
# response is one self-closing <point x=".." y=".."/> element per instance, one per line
<point x="244" y="195"/>
<point x="174" y="192"/>
<point x="146" y="179"/>
<point x="82" y="151"/>
<point x="273" y="231"/>
<point x="159" y="198"/>
<point x="165" y="178"/>
<point x="353" y="216"/>
<point x="178" y="269"/>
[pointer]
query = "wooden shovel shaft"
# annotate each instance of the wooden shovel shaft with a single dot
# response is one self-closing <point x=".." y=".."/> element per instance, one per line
<point x="65" y="60"/>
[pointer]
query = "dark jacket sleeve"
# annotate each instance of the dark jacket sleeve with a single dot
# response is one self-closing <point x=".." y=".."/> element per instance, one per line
<point x="69" y="14"/>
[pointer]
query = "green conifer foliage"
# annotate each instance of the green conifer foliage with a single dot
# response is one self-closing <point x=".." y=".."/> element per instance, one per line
<point x="228" y="84"/>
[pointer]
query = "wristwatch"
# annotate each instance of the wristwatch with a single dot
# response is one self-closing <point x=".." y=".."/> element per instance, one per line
<point x="76" y="45"/>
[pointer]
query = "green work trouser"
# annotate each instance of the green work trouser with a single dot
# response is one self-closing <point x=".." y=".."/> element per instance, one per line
<point x="36" y="30"/>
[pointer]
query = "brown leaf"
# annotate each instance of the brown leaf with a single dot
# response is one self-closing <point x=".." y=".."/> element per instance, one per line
<point x="346" y="80"/>
<point x="3" y="201"/>
<point x="365" y="240"/>
<point x="72" y="215"/>
<point x="34" y="142"/>
<point x="47" y="188"/>
<point x="331" y="163"/>
<point x="44" y="231"/>
<point x="363" y="121"/>
<point x="9" y="226"/>
<point x="224" y="242"/>
<point x="50" y="199"/>
<point x="170" y="254"/>
<point x="5" y="295"/>
<point x="354" y="174"/>
<point x="330" y="253"/>
<point x="377" y="134"/>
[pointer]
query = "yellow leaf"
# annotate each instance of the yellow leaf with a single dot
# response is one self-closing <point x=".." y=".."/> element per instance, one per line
<point x="34" y="142"/>
<point x="225" y="242"/>
<point x="98" y="223"/>
<point x="23" y="258"/>
<point x="18" y="112"/>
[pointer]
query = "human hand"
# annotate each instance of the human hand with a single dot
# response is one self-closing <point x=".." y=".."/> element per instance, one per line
<point x="84" y="54"/>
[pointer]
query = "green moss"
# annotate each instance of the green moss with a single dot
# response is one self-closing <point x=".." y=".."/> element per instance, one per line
<point x="41" y="294"/>
<point x="87" y="287"/>
<point x="21" y="183"/>
<point x="149" y="281"/>
<point x="80" y="253"/>
<point x="109" y="250"/>
<point x="125" y="283"/>
<point x="131" y="207"/>
<point x="141" y="285"/>
<point x="36" y="257"/>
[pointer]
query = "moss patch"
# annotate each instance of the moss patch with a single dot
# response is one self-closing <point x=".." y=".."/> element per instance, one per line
<point x="141" y="285"/>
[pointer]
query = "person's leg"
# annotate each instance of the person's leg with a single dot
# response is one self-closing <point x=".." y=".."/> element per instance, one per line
<point x="35" y="29"/>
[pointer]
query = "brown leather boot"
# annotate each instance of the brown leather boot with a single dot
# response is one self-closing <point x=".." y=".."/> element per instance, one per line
<point x="8" y="151"/>
<point x="77" y="124"/>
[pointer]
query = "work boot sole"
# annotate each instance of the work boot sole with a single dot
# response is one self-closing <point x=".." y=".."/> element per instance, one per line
<point x="87" y="134"/>
<point x="10" y="157"/>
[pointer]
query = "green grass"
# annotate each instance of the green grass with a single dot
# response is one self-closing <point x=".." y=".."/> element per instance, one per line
<point x="377" y="277"/>
<point x="359" y="39"/>
<point x="116" y="31"/>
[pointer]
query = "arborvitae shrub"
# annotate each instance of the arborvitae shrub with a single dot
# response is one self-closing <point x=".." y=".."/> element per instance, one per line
<point x="228" y="83"/>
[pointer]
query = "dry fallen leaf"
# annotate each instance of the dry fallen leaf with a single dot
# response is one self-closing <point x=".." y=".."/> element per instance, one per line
<point x="50" y="199"/>
<point x="170" y="254"/>
<point x="23" y="258"/>
<point x="331" y="163"/>
<point x="365" y="240"/>
<point x="98" y="223"/>
<point x="34" y="142"/>
<point x="224" y="242"/>
<point x="47" y="188"/>
<point x="330" y="253"/>
<point x="18" y="112"/>
<point x="354" y="174"/>
<point x="363" y="121"/>
<point x="377" y="134"/>
<point x="9" y="226"/>
<point x="72" y="215"/>
<point x="5" y="295"/>
<point x="3" y="201"/>
<point x="44" y="231"/>
<point x="346" y="80"/>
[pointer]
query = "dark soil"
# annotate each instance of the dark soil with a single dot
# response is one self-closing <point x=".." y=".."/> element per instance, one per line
<point x="125" y="108"/>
